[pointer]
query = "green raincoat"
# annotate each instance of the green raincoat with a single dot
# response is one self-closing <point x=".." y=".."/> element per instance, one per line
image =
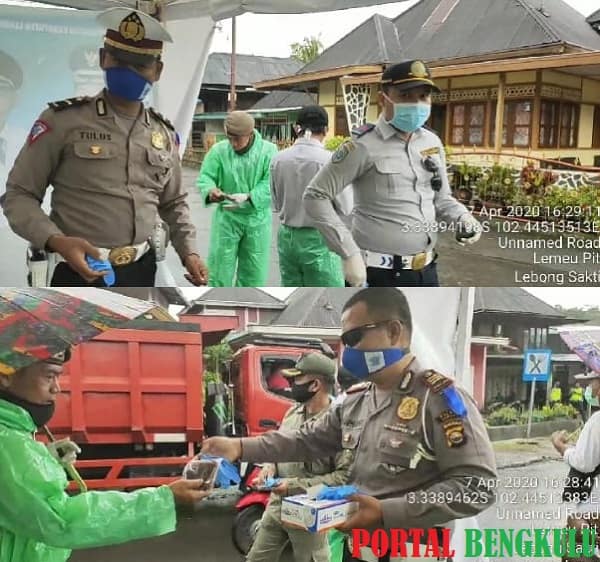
<point x="40" y="522"/>
<point x="240" y="237"/>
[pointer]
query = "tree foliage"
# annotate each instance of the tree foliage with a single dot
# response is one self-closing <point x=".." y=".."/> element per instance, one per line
<point x="307" y="50"/>
<point x="592" y="313"/>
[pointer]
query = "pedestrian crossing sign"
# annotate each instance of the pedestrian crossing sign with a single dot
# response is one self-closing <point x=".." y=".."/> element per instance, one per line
<point x="537" y="364"/>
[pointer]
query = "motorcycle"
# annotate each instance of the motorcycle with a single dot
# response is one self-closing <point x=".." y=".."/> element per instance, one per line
<point x="250" y="508"/>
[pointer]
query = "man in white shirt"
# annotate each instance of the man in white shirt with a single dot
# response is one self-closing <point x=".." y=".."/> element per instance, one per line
<point x="584" y="462"/>
<point x="304" y="258"/>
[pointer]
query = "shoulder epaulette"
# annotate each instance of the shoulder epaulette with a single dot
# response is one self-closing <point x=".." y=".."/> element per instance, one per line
<point x="436" y="381"/>
<point x="69" y="103"/>
<point x="162" y="119"/>
<point x="441" y="384"/>
<point x="363" y="129"/>
<point x="359" y="387"/>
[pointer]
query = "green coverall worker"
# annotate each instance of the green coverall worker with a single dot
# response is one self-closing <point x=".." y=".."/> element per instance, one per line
<point x="40" y="522"/>
<point x="304" y="258"/>
<point x="241" y="226"/>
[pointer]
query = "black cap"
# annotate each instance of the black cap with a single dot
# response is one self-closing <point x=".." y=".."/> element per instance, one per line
<point x="408" y="74"/>
<point x="11" y="75"/>
<point x="312" y="116"/>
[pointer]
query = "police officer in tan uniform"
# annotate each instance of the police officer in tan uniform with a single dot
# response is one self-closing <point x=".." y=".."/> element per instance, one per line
<point x="114" y="167"/>
<point x="422" y="456"/>
<point x="402" y="197"/>
<point x="312" y="382"/>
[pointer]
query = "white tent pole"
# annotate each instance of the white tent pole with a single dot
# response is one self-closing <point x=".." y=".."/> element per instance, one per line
<point x="464" y="331"/>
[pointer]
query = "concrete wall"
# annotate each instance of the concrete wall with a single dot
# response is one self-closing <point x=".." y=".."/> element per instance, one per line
<point x="538" y="429"/>
<point x="590" y="91"/>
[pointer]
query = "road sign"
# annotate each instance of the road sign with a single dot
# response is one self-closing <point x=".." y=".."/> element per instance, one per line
<point x="537" y="364"/>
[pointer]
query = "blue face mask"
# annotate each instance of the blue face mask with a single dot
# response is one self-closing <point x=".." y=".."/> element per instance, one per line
<point x="590" y="398"/>
<point x="408" y="117"/>
<point x="127" y="84"/>
<point x="364" y="363"/>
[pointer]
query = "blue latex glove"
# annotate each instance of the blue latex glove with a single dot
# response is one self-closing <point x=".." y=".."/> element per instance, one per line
<point x="272" y="482"/>
<point x="102" y="265"/>
<point x="337" y="492"/>
<point x="228" y="474"/>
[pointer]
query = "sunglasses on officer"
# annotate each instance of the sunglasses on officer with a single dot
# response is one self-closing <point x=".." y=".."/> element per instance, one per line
<point x="355" y="335"/>
<point x="432" y="166"/>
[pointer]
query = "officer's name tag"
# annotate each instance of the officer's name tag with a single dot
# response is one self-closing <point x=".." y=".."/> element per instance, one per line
<point x="430" y="151"/>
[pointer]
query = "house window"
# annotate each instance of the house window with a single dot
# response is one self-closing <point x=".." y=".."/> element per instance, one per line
<point x="549" y="124"/>
<point x="569" y="118"/>
<point x="596" y="135"/>
<point x="437" y="121"/>
<point x="467" y="124"/>
<point x="517" y="123"/>
<point x="558" y="124"/>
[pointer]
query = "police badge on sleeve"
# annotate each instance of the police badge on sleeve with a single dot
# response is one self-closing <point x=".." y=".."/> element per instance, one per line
<point x="38" y="130"/>
<point x="342" y="152"/>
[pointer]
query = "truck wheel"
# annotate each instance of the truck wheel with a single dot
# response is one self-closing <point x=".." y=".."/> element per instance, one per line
<point x="245" y="527"/>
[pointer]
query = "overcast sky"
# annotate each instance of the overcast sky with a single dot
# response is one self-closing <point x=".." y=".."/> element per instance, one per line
<point x="272" y="35"/>
<point x="567" y="297"/>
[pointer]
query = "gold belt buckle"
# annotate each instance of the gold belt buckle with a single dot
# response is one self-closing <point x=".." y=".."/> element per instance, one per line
<point x="122" y="256"/>
<point x="419" y="261"/>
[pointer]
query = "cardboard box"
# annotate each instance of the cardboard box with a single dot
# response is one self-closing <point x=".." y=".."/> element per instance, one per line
<point x="315" y="515"/>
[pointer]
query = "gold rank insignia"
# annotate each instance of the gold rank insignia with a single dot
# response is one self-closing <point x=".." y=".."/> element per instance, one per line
<point x="436" y="381"/>
<point x="453" y="427"/>
<point x="158" y="140"/>
<point x="132" y="28"/>
<point x="95" y="149"/>
<point x="418" y="69"/>
<point x="408" y="408"/>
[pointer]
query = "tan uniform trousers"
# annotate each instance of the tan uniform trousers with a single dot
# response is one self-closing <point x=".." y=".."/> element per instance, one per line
<point x="273" y="536"/>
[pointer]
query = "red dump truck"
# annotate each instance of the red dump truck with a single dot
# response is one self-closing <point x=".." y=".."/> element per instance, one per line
<point x="133" y="399"/>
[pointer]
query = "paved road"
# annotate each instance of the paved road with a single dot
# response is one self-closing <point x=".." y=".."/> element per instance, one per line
<point x="485" y="264"/>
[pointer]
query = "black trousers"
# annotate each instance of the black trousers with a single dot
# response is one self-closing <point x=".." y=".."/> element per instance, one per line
<point x="137" y="274"/>
<point x="426" y="277"/>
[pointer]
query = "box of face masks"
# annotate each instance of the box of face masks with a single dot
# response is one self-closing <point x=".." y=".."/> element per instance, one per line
<point x="314" y="515"/>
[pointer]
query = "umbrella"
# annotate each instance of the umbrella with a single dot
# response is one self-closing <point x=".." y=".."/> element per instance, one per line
<point x="584" y="341"/>
<point x="35" y="324"/>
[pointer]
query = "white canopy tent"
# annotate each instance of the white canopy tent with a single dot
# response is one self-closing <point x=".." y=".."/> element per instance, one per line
<point x="192" y="25"/>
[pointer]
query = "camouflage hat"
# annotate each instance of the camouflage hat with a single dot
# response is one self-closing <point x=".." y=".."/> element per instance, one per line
<point x="59" y="358"/>
<point x="313" y="364"/>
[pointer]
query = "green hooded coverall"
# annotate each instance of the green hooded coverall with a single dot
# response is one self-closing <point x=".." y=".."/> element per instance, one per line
<point x="40" y="522"/>
<point x="239" y="236"/>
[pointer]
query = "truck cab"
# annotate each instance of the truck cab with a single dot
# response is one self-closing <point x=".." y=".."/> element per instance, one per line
<point x="260" y="395"/>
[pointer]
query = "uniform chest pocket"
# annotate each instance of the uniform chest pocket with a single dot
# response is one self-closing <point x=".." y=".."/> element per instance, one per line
<point x="396" y="452"/>
<point x="94" y="150"/>
<point x="392" y="175"/>
<point x="161" y="167"/>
